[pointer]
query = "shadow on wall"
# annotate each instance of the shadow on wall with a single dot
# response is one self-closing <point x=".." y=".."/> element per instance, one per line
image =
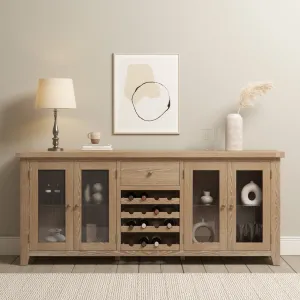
<point x="19" y="124"/>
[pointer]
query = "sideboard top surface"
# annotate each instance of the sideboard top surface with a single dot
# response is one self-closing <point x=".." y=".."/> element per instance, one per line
<point x="158" y="154"/>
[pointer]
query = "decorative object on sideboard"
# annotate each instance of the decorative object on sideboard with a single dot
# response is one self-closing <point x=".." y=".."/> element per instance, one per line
<point x="202" y="225"/>
<point x="234" y="121"/>
<point x="87" y="194"/>
<point x="249" y="233"/>
<point x="207" y="199"/>
<point x="146" y="94"/>
<point x="94" y="137"/>
<point x="97" y="195"/>
<point x="251" y="188"/>
<point x="234" y="132"/>
<point x="55" y="235"/>
<point x="55" y="93"/>
<point x="92" y="147"/>
<point x="98" y="187"/>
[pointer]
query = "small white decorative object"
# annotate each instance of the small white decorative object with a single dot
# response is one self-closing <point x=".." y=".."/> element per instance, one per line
<point x="50" y="239"/>
<point x="207" y="198"/>
<point x="97" y="187"/>
<point x="234" y="132"/>
<point x="201" y="225"/>
<point x="97" y="197"/>
<point x="60" y="237"/>
<point x="55" y="235"/>
<point x="234" y="122"/>
<point x="87" y="194"/>
<point x="251" y="188"/>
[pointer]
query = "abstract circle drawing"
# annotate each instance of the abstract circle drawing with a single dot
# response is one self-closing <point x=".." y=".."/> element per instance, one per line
<point x="151" y="108"/>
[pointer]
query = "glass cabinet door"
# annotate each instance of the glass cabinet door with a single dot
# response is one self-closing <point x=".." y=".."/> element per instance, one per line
<point x="51" y="206"/>
<point x="205" y="200"/>
<point x="249" y="206"/>
<point x="95" y="210"/>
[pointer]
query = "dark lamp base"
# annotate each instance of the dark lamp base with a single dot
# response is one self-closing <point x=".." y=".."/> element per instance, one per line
<point x="55" y="149"/>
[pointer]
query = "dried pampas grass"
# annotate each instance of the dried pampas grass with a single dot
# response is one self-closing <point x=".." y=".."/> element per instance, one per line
<point x="251" y="91"/>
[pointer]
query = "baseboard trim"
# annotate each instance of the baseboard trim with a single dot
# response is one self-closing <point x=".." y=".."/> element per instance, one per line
<point x="290" y="245"/>
<point x="9" y="245"/>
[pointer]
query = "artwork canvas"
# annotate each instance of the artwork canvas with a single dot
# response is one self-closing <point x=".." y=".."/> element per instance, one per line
<point x="146" y="94"/>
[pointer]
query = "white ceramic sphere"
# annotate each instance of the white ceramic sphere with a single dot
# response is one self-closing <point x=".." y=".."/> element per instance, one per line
<point x="97" y="197"/>
<point x="97" y="187"/>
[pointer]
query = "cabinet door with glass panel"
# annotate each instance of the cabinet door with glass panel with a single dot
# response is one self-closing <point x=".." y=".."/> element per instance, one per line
<point x="95" y="206"/>
<point x="51" y="205"/>
<point x="249" y="205"/>
<point x="205" y="200"/>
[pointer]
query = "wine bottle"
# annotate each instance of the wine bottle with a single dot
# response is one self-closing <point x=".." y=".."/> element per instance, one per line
<point x="144" y="241"/>
<point x="131" y="224"/>
<point x="156" y="223"/>
<point x="169" y="223"/>
<point x="155" y="209"/>
<point x="171" y="209"/>
<point x="156" y="240"/>
<point x="131" y="196"/>
<point x="144" y="196"/>
<point x="144" y="223"/>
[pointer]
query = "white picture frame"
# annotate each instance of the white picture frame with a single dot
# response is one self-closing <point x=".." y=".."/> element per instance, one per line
<point x="146" y="94"/>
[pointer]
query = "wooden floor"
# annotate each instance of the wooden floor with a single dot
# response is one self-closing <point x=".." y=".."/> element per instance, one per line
<point x="289" y="264"/>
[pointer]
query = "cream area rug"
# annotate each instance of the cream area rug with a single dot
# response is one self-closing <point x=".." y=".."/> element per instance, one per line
<point x="149" y="286"/>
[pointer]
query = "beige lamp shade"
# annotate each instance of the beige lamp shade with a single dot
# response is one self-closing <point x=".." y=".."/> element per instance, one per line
<point x="55" y="93"/>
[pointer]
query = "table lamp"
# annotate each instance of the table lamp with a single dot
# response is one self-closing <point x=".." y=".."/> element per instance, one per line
<point x="55" y="93"/>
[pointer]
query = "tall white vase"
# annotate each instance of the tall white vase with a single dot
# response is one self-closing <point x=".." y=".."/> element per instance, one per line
<point x="234" y="132"/>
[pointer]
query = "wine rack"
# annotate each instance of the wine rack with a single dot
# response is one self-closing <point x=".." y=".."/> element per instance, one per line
<point x="150" y="216"/>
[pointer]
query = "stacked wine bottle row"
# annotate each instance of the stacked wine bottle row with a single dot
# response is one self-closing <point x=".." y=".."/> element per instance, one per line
<point x="149" y="221"/>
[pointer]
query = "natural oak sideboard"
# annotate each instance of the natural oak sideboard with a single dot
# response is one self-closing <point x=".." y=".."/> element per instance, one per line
<point x="150" y="203"/>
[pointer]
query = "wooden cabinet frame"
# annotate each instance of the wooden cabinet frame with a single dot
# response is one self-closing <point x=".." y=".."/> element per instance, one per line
<point x="78" y="168"/>
<point x="34" y="221"/>
<point x="233" y="167"/>
<point x="227" y="162"/>
<point x="188" y="205"/>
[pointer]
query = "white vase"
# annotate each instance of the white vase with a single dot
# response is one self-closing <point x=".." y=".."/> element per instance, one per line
<point x="207" y="198"/>
<point x="87" y="194"/>
<point x="251" y="188"/>
<point x="234" y="132"/>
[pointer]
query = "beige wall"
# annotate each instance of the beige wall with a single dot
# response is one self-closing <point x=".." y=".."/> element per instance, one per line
<point x="222" y="45"/>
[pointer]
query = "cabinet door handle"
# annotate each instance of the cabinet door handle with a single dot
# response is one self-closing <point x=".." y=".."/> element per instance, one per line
<point x="231" y="206"/>
<point x="68" y="206"/>
<point x="149" y="173"/>
<point x="76" y="206"/>
<point x="223" y="206"/>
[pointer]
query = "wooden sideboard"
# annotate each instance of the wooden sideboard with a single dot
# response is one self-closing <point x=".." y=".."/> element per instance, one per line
<point x="149" y="203"/>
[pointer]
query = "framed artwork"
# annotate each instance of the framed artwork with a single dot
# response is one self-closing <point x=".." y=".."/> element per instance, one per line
<point x="146" y="96"/>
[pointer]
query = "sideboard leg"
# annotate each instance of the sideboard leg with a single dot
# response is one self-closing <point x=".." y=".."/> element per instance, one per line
<point x="275" y="213"/>
<point x="182" y="258"/>
<point x="24" y="258"/>
<point x="275" y="259"/>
